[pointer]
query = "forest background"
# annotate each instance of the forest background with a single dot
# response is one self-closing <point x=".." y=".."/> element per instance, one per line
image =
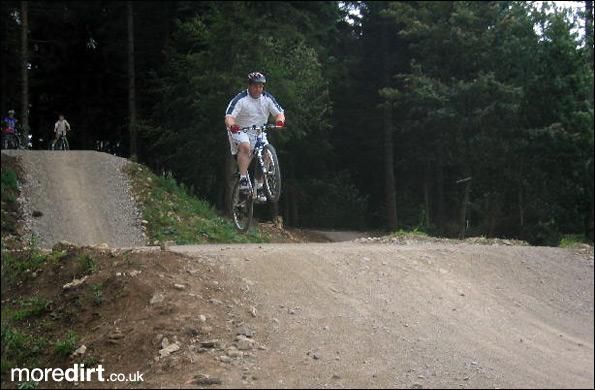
<point x="452" y="118"/>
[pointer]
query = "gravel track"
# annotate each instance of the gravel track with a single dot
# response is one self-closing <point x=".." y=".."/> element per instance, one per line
<point x="81" y="197"/>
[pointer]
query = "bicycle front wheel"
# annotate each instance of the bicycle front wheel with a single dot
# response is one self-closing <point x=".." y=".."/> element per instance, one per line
<point x="242" y="207"/>
<point x="272" y="173"/>
<point x="61" y="144"/>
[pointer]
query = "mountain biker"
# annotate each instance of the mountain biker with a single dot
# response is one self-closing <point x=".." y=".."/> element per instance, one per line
<point x="9" y="123"/>
<point x="248" y="108"/>
<point x="61" y="127"/>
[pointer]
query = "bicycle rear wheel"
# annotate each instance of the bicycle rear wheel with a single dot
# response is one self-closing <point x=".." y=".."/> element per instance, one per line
<point x="272" y="175"/>
<point x="242" y="207"/>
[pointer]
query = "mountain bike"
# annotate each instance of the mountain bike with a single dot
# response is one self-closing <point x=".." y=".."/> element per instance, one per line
<point x="15" y="139"/>
<point x="61" y="143"/>
<point x="10" y="140"/>
<point x="265" y="165"/>
<point x="108" y="147"/>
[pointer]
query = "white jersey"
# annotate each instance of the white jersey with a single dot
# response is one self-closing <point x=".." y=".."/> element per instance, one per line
<point x="248" y="111"/>
<point x="61" y="126"/>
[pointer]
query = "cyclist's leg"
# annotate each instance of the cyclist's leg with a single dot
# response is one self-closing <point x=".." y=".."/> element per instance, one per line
<point x="61" y="141"/>
<point x="244" y="158"/>
<point x="240" y="146"/>
<point x="54" y="141"/>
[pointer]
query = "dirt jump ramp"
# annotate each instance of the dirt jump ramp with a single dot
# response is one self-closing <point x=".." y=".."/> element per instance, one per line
<point x="82" y="197"/>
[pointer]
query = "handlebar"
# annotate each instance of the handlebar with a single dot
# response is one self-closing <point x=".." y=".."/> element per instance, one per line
<point x="260" y="128"/>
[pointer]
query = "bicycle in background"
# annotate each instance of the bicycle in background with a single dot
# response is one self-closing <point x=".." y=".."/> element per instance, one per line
<point x="61" y="143"/>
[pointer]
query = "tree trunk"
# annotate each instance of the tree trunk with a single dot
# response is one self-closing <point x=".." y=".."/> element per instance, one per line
<point x="389" y="175"/>
<point x="83" y="128"/>
<point x="286" y="203"/>
<point x="589" y="40"/>
<point x="389" y="171"/>
<point x="24" y="66"/>
<point x="440" y="191"/>
<point x="294" y="212"/>
<point x="494" y="214"/>
<point x="291" y="212"/>
<point x="589" y="223"/>
<point x="131" y="83"/>
<point x="295" y="209"/>
<point x="521" y="211"/>
<point x="463" y="220"/>
<point x="427" y="214"/>
<point x="3" y="54"/>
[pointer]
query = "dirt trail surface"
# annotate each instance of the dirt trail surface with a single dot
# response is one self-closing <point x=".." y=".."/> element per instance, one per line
<point x="342" y="235"/>
<point x="431" y="315"/>
<point x="78" y="196"/>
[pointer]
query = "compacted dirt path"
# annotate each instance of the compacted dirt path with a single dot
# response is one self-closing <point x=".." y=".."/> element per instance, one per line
<point x="429" y="315"/>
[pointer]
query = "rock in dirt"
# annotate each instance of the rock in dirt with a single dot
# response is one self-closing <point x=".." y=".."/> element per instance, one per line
<point x="75" y="283"/>
<point x="157" y="298"/>
<point x="169" y="350"/>
<point x="203" y="379"/>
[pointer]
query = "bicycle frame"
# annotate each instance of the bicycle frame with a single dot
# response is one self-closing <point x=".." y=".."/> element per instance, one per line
<point x="62" y="140"/>
<point x="256" y="152"/>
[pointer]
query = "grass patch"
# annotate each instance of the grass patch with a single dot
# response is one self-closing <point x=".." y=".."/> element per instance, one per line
<point x="67" y="346"/>
<point x="97" y="293"/>
<point x="570" y="240"/>
<point x="56" y="256"/>
<point x="28" y="385"/>
<point x="174" y="214"/>
<point x="14" y="267"/>
<point x="9" y="194"/>
<point x="87" y="264"/>
<point x="9" y="183"/>
<point x="20" y="349"/>
<point x="28" y="307"/>
<point x="91" y="361"/>
<point x="410" y="233"/>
